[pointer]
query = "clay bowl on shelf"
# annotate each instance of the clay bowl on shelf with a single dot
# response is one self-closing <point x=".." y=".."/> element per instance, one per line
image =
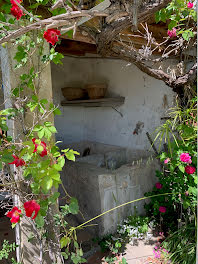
<point x="96" y="91"/>
<point x="73" y="93"/>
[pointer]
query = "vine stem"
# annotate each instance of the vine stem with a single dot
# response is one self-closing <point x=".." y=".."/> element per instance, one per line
<point x="130" y="202"/>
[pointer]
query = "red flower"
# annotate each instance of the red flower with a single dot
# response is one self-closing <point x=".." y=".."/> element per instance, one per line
<point x="14" y="214"/>
<point x="172" y="33"/>
<point x="51" y="35"/>
<point x="190" y="169"/>
<point x="158" y="185"/>
<point x="190" y="5"/>
<point x="30" y="207"/>
<point x="17" y="161"/>
<point x="15" y="10"/>
<point x="42" y="144"/>
<point x="162" y="209"/>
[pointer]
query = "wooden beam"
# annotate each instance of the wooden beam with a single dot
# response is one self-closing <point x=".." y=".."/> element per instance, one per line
<point x="77" y="48"/>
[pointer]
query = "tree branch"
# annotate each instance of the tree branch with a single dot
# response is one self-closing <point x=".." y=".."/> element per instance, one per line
<point x="177" y="84"/>
<point x="110" y="31"/>
<point x="50" y="22"/>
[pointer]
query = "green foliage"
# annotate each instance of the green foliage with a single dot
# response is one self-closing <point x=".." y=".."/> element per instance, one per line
<point x="177" y="14"/>
<point x="180" y="133"/>
<point x="7" y="249"/>
<point x="182" y="245"/>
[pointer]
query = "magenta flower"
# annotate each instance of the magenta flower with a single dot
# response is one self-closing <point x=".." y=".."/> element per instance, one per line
<point x="185" y="157"/>
<point x="157" y="254"/>
<point x="190" y="169"/>
<point x="158" y="185"/>
<point x="172" y="33"/>
<point x="166" y="161"/>
<point x="190" y="5"/>
<point x="162" y="209"/>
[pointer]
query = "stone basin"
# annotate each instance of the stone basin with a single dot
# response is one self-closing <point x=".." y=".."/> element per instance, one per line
<point x="103" y="177"/>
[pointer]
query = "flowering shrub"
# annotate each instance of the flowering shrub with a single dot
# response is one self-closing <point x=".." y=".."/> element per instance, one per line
<point x="179" y="175"/>
<point x="178" y="13"/>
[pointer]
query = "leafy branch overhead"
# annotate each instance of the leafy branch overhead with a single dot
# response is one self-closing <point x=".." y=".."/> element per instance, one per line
<point x="117" y="28"/>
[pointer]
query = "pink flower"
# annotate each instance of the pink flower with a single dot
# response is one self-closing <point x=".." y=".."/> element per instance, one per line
<point x="51" y="35"/>
<point x="190" y="5"/>
<point x="172" y="33"/>
<point x="162" y="209"/>
<point x="166" y="161"/>
<point x="190" y="169"/>
<point x="30" y="207"/>
<point x="158" y="185"/>
<point x="14" y="214"/>
<point x="157" y="254"/>
<point x="185" y="157"/>
<point x="186" y="193"/>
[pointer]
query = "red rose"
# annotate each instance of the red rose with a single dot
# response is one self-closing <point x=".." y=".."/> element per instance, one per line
<point x="190" y="169"/>
<point x="30" y="207"/>
<point x="15" y="10"/>
<point x="17" y="161"/>
<point x="51" y="35"/>
<point x="162" y="209"/>
<point x="14" y="214"/>
<point x="42" y="144"/>
<point x="158" y="185"/>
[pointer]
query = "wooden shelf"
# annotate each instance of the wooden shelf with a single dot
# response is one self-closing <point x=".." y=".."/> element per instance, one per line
<point x="103" y="102"/>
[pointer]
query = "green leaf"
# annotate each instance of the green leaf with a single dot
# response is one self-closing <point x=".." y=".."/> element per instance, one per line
<point x="41" y="133"/>
<point x="2" y="17"/>
<point x="39" y="220"/>
<point x="7" y="158"/>
<point x="21" y="54"/>
<point x="54" y="197"/>
<point x="182" y="168"/>
<point x="13" y="225"/>
<point x="61" y="161"/>
<point x="57" y="58"/>
<point x="65" y="255"/>
<point x="192" y="190"/>
<point x="52" y="129"/>
<point x="46" y="184"/>
<point x="70" y="156"/>
<point x="65" y="241"/>
<point x="73" y="206"/>
<point x="57" y="112"/>
<point x="172" y="24"/>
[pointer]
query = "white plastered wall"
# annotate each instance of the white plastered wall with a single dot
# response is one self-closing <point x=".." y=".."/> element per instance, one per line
<point x="146" y="101"/>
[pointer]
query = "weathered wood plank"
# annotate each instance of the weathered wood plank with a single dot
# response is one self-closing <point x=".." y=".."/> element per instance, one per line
<point x="103" y="102"/>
